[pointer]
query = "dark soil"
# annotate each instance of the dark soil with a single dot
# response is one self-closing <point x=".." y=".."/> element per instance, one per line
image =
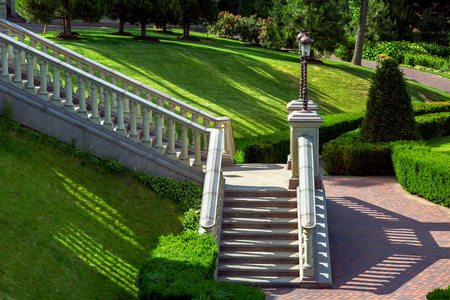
<point x="121" y="34"/>
<point x="146" y="38"/>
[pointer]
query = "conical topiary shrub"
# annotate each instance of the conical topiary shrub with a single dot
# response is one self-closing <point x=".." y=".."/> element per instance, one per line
<point x="389" y="114"/>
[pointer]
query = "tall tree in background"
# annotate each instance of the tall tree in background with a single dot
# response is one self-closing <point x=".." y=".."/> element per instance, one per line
<point x="189" y="12"/>
<point x="122" y="10"/>
<point x="144" y="12"/>
<point x="164" y="15"/>
<point x="357" y="54"/>
<point x="39" y="11"/>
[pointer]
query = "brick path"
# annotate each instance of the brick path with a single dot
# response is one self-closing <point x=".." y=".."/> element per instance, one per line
<point x="385" y="243"/>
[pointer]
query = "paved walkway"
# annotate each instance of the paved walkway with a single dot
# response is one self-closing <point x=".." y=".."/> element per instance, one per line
<point x="385" y="243"/>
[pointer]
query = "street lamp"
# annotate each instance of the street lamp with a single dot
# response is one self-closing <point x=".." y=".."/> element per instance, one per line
<point x="304" y="47"/>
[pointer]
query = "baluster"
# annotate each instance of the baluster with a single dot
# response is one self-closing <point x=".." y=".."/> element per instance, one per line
<point x="148" y="97"/>
<point x="22" y="55"/>
<point x="45" y="50"/>
<point x="184" y="159"/>
<point x="102" y="95"/>
<point x="79" y="64"/>
<point x="120" y="119"/>
<point x="160" y="102"/>
<point x="69" y="92"/>
<point x="198" y="152"/>
<point x="172" y="109"/>
<point x="113" y="95"/>
<point x="133" y="130"/>
<point x="55" y="53"/>
<point x="195" y="120"/>
<point x="35" y="68"/>
<point x="10" y="48"/>
<point x="107" y="101"/>
<point x="137" y="92"/>
<point x="94" y="101"/>
<point x="159" y="147"/>
<point x="90" y="70"/>
<point x="206" y="136"/>
<point x="171" y="132"/>
<point x="82" y="98"/>
<point x="18" y="68"/>
<point x="30" y="74"/>
<point x="146" y="134"/>
<point x="43" y="69"/>
<point x="56" y="99"/>
<point x="126" y="106"/>
<point x="5" y="71"/>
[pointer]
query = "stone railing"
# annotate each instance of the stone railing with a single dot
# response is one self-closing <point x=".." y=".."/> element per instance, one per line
<point x="213" y="191"/>
<point x="306" y="206"/>
<point x="114" y="108"/>
<point x="126" y="83"/>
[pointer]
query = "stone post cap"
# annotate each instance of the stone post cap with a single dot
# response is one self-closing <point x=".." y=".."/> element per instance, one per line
<point x="305" y="118"/>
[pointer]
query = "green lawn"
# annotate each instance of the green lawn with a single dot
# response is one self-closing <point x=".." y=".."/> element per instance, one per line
<point x="251" y="85"/>
<point x="440" y="144"/>
<point x="71" y="229"/>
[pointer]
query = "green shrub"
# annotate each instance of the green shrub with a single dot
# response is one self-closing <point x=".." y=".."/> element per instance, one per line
<point x="439" y="294"/>
<point x="115" y="166"/>
<point x="348" y="155"/>
<point x="188" y="194"/>
<point x="191" y="220"/>
<point x="249" y="28"/>
<point x="182" y="267"/>
<point x="434" y="125"/>
<point x="431" y="108"/>
<point x="224" y="26"/>
<point x="389" y="115"/>
<point x="421" y="171"/>
<point x="345" y="50"/>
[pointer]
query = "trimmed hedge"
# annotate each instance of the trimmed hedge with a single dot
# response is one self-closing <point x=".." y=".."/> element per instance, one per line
<point x="182" y="267"/>
<point x="422" y="171"/>
<point x="348" y="155"/>
<point x="439" y="294"/>
<point x="431" y="108"/>
<point x="434" y="125"/>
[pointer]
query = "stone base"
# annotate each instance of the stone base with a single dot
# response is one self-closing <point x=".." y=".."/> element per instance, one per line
<point x="294" y="181"/>
<point x="296" y="105"/>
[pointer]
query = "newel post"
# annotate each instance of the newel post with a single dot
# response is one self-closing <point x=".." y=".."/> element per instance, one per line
<point x="304" y="123"/>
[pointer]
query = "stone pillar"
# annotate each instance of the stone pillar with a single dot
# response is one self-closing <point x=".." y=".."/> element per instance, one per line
<point x="304" y="123"/>
<point x="296" y="105"/>
<point x="3" y="11"/>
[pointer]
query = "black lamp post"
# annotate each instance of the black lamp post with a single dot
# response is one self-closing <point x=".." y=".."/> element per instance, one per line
<point x="304" y="47"/>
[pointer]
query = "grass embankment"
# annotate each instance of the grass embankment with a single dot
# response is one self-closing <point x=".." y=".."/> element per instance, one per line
<point x="71" y="229"/>
<point x="440" y="145"/>
<point x="251" y="85"/>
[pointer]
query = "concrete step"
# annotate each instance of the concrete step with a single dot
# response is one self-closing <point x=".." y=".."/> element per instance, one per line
<point x="260" y="202"/>
<point x="259" y="257"/>
<point x="267" y="281"/>
<point x="258" y="245"/>
<point x="259" y="233"/>
<point x="262" y="223"/>
<point x="259" y="269"/>
<point x="257" y="212"/>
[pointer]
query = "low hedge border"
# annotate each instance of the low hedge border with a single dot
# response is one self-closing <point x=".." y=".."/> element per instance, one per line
<point x="439" y="294"/>
<point x="434" y="125"/>
<point x="182" y="267"/>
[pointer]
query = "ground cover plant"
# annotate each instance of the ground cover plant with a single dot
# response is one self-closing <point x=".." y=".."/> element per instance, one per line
<point x="249" y="84"/>
<point x="72" y="226"/>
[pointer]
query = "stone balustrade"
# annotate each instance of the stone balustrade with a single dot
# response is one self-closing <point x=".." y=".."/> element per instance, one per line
<point x="126" y="83"/>
<point x="115" y="108"/>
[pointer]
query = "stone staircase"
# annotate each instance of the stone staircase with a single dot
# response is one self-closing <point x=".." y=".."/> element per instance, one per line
<point x="259" y="241"/>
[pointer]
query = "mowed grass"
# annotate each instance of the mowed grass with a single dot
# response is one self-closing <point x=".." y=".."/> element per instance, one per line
<point x="71" y="229"/>
<point x="251" y="85"/>
<point x="440" y="144"/>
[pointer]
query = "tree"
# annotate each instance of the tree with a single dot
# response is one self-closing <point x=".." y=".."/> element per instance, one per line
<point x="121" y="9"/>
<point x="389" y="114"/>
<point x="144" y="12"/>
<point x="189" y="12"/>
<point x="39" y="11"/>
<point x="164" y="15"/>
<point x="359" y="44"/>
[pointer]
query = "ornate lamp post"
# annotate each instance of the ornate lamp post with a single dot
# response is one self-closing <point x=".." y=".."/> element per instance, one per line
<point x="304" y="47"/>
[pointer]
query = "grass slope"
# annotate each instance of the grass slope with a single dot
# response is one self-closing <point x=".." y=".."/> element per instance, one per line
<point x="71" y="229"/>
<point x="440" y="144"/>
<point x="251" y="85"/>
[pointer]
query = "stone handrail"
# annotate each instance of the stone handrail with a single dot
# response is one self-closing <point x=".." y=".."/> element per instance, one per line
<point x="113" y="99"/>
<point x="127" y="82"/>
<point x="213" y="186"/>
<point x="306" y="205"/>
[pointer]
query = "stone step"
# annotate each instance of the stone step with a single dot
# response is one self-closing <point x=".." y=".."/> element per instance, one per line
<point x="258" y="245"/>
<point x="259" y="257"/>
<point x="259" y="233"/>
<point x="259" y="202"/>
<point x="258" y="269"/>
<point x="257" y="212"/>
<point x="268" y="281"/>
<point x="273" y="223"/>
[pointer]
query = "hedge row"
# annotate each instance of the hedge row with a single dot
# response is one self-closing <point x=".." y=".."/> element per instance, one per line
<point x="182" y="267"/>
<point x="422" y="171"/>
<point x="434" y="125"/>
<point x="431" y="108"/>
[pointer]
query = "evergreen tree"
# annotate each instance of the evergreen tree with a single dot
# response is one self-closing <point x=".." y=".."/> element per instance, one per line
<point x="39" y="11"/>
<point x="188" y="12"/>
<point x="389" y="114"/>
<point x="122" y="10"/>
<point x="144" y="12"/>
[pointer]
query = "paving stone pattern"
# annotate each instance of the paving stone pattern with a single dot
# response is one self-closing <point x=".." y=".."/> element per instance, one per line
<point x="385" y="243"/>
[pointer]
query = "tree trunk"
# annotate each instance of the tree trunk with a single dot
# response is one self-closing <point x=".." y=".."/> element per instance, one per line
<point x="239" y="8"/>
<point x="186" y="28"/>
<point x="66" y="28"/>
<point x="164" y="28"/>
<point x="143" y="30"/>
<point x="357" y="54"/>
<point x="45" y="30"/>
<point x="121" y="27"/>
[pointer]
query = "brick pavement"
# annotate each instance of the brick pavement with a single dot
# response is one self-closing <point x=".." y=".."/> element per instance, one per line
<point x="385" y="243"/>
